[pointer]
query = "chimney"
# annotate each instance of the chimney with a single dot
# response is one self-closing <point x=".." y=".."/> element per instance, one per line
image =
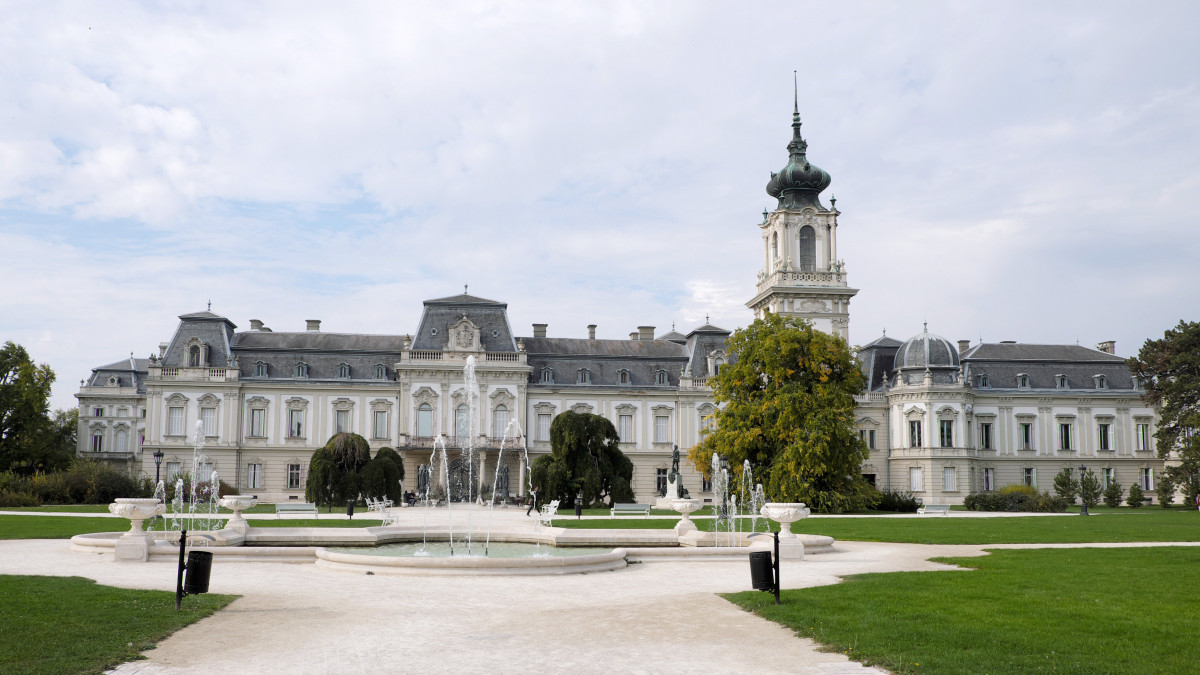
<point x="645" y="332"/>
<point x="1108" y="347"/>
<point x="255" y="324"/>
<point x="963" y="345"/>
<point x="633" y="335"/>
<point x="591" y="331"/>
<point x="539" y="330"/>
<point x="312" y="325"/>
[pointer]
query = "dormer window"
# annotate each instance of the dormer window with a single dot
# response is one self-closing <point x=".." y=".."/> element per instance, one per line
<point x="260" y="368"/>
<point x="301" y="370"/>
<point x="197" y="354"/>
<point x="584" y="376"/>
<point x="622" y="376"/>
<point x="1101" y="381"/>
<point x="546" y="375"/>
<point x="380" y="371"/>
<point x="344" y="370"/>
<point x="660" y="377"/>
<point x="982" y="379"/>
<point x="1022" y="381"/>
<point x="1060" y="381"/>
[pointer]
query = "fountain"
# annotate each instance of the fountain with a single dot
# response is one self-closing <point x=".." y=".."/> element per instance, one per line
<point x="135" y="544"/>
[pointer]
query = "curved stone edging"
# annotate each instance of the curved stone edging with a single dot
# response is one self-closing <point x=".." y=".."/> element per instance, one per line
<point x="361" y="563"/>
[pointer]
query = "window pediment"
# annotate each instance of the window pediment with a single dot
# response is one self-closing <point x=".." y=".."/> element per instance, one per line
<point x="209" y="400"/>
<point x="257" y="402"/>
<point x="381" y="404"/>
<point x="582" y="408"/>
<point x="626" y="409"/>
<point x="544" y="408"/>
<point x="343" y="403"/>
<point x="177" y="399"/>
<point x="502" y="396"/>
<point x="296" y="403"/>
<point x="425" y="395"/>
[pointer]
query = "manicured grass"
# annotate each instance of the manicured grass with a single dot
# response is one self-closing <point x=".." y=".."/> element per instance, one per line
<point x="56" y="527"/>
<point x="73" y="625"/>
<point x="60" y="508"/>
<point x="1068" y="610"/>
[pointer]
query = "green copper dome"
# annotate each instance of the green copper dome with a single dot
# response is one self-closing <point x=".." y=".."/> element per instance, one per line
<point x="800" y="183"/>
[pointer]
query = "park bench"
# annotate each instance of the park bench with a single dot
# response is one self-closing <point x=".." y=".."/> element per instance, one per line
<point x="943" y="509"/>
<point x="547" y="513"/>
<point x="623" y="509"/>
<point x="289" y="508"/>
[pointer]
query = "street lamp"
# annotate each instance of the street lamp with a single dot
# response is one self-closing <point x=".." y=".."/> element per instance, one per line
<point x="1082" y="501"/>
<point x="158" y="455"/>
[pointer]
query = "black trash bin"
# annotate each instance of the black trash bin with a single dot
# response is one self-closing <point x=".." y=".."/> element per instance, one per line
<point x="199" y="569"/>
<point x="350" y="508"/>
<point x="762" y="572"/>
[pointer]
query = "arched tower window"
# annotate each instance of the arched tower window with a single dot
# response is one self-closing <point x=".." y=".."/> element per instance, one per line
<point x="194" y="356"/>
<point x="774" y="244"/>
<point x="807" y="239"/>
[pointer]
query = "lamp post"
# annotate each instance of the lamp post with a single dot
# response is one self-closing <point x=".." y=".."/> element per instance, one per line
<point x="158" y="456"/>
<point x="1082" y="502"/>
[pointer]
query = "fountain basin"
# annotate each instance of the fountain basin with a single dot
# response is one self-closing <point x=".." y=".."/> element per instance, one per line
<point x="363" y="563"/>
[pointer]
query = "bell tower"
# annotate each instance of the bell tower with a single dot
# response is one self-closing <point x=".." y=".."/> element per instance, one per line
<point x="802" y="275"/>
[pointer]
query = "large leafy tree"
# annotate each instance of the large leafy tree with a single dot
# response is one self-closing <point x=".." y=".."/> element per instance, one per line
<point x="30" y="439"/>
<point x="585" y="460"/>
<point x="787" y="405"/>
<point x="1169" y="373"/>
<point x="334" y="470"/>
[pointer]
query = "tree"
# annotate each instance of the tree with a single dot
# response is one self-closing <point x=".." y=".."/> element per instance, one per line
<point x="1166" y="490"/>
<point x="787" y="405"/>
<point x="1113" y="494"/>
<point x="585" y="460"/>
<point x="1065" y="486"/>
<point x="1089" y="489"/>
<point x="30" y="440"/>
<point x="1169" y="372"/>
<point x="382" y="476"/>
<point x="333" y="471"/>
<point x="1135" y="497"/>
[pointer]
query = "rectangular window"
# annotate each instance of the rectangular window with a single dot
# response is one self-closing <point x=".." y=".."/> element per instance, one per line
<point x="172" y="470"/>
<point x="660" y="480"/>
<point x="175" y="421"/>
<point x="1143" y="437"/>
<point x="499" y="422"/>
<point x="1147" y="479"/>
<point x="914" y="434"/>
<point x="1026" y="439"/>
<point x="254" y="476"/>
<point x="205" y="473"/>
<point x="543" y="426"/>
<point x="705" y="484"/>
<point x="946" y="429"/>
<point x="380" y="429"/>
<point x="1064" y="436"/>
<point x="662" y="433"/>
<point x="949" y="479"/>
<point x="97" y="441"/>
<point x="98" y="412"/>
<point x="1103" y="437"/>
<point x="871" y="439"/>
<point x="1030" y="477"/>
<point x="341" y="421"/>
<point x="985" y="435"/>
<point x="1106" y="477"/>
<point x="295" y="423"/>
<point x="122" y="441"/>
<point x="625" y="428"/>
<point x="425" y="421"/>
<point x="293" y="476"/>
<point x="915" y="480"/>
<point x="258" y="423"/>
<point x="209" y="417"/>
<point x="989" y="480"/>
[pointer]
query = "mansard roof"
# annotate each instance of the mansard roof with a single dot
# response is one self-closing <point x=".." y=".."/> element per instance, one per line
<point x="1003" y="362"/>
<point x="604" y="348"/>
<point x="441" y="314"/>
<point x="317" y="341"/>
<point x="1016" y="351"/>
<point x="464" y="299"/>
<point x="130" y="372"/>
<point x="604" y="360"/>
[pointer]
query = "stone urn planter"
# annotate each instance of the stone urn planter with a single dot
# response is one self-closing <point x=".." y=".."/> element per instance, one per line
<point x="134" y="545"/>
<point x="685" y="507"/>
<point x="785" y="513"/>
<point x="237" y="504"/>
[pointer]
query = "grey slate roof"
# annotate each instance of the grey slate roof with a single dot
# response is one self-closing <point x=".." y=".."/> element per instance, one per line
<point x="323" y="353"/>
<point x="877" y="358"/>
<point x="129" y="372"/>
<point x="317" y="341"/>
<point x="489" y="315"/>
<point x="604" y="359"/>
<point x="213" y="329"/>
<point x="700" y="343"/>
<point x="1043" y="363"/>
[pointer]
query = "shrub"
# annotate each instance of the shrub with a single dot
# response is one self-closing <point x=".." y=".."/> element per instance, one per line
<point x="1135" y="496"/>
<point x="14" y="498"/>
<point x="1113" y="494"/>
<point x="1015" y="500"/>
<point x="1018" y="489"/>
<point x="900" y="501"/>
<point x="1065" y="486"/>
<point x="1089" y="489"/>
<point x="1166" y="490"/>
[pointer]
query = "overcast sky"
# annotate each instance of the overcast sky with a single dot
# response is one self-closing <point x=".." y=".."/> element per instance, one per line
<point x="1006" y="171"/>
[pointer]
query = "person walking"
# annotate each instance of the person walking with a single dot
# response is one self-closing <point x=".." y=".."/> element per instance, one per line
<point x="533" y="502"/>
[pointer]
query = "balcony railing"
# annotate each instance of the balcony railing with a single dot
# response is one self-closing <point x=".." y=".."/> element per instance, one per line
<point x="202" y="374"/>
<point x="438" y="355"/>
<point x="108" y="455"/>
<point x="458" y="443"/>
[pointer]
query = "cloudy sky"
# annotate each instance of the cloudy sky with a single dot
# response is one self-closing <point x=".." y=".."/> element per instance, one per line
<point x="1006" y="171"/>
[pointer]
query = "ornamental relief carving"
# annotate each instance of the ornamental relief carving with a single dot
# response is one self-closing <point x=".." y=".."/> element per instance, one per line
<point x="626" y="409"/>
<point x="581" y="408"/>
<point x="811" y="305"/>
<point x="425" y="395"/>
<point x="296" y="403"/>
<point x="464" y="337"/>
<point x="502" y="396"/>
<point x="257" y="402"/>
<point x="343" y="404"/>
<point x="177" y="399"/>
<point x="381" y="404"/>
<point x="209" y="400"/>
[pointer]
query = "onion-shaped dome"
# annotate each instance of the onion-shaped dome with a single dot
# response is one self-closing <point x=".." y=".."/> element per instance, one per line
<point x="927" y="351"/>
<point x="800" y="183"/>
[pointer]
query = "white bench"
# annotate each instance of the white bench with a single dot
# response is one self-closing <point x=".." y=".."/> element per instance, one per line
<point x="547" y="513"/>
<point x="623" y="509"/>
<point x="289" y="508"/>
<point x="943" y="509"/>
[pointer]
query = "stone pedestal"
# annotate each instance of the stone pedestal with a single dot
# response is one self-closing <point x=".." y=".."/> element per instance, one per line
<point x="237" y="504"/>
<point x="685" y="507"/>
<point x="791" y="547"/>
<point x="134" y="545"/>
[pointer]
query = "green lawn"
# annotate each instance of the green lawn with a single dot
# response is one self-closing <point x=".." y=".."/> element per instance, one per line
<point x="1068" y="610"/>
<point x="73" y="625"/>
<point x="56" y="527"/>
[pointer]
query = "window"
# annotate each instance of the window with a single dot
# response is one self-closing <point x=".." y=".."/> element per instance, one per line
<point x="172" y="470"/>
<point x="254" y="476"/>
<point x="98" y="412"/>
<point x="660" y="377"/>
<point x="425" y="420"/>
<point x="1030" y="476"/>
<point x="1101" y="381"/>
<point x="1143" y="437"/>
<point x="194" y="356"/>
<point x="985" y="435"/>
<point x="499" y="421"/>
<point x="301" y="370"/>
<point x="774" y="244"/>
<point x="807" y="241"/>
<point x="122" y="441"/>
<point x="1146" y="479"/>
<point x="625" y="428"/>
<point x="1060" y="381"/>
<point x="662" y="430"/>
<point x="341" y="421"/>
<point x="1107" y="476"/>
<point x="547" y="376"/>
<point x="949" y="479"/>
<point x="175" y="421"/>
<point x="380" y="429"/>
<point x="870" y="478"/>
<point x="380" y="371"/>
<point x="622" y="376"/>
<point x="989" y="479"/>
<point x="983" y="380"/>
<point x="462" y="423"/>
<point x="868" y="437"/>
<point x="660" y="480"/>
<point x="295" y="423"/>
<point x="205" y="473"/>
<point x="915" y="480"/>
<point x="1102" y="437"/>
<point x="260" y="368"/>
<point x="1026" y="437"/>
<point x="258" y="423"/>
<point x="97" y="441"/>
<point x="293" y="476"/>
<point x="1064" y="436"/>
<point x="946" y="433"/>
<point x="584" y="376"/>
<point x="543" y="426"/>
<point x="209" y="417"/>
<point x="344" y="370"/>
<point x="1022" y="381"/>
<point x="914" y="434"/>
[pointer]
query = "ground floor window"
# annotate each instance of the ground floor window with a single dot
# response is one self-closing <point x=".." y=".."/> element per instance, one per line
<point x="870" y="478"/>
<point x="1107" y="476"/>
<point x="172" y="470"/>
<point x="989" y="479"/>
<point x="1030" y="477"/>
<point x="1147" y="479"/>
<point x="706" y="484"/>
<point x="949" y="479"/>
<point x="660" y="480"/>
<point x="254" y="476"/>
<point x="293" y="476"/>
<point x="915" y="479"/>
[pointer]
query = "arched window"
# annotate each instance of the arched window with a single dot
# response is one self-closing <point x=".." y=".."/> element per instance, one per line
<point x="260" y="368"/>
<point x="660" y="377"/>
<point x="499" y="421"/>
<point x="343" y="370"/>
<point x="547" y="375"/>
<point x="425" y="420"/>
<point x="380" y="371"/>
<point x="462" y="424"/>
<point x="774" y="244"/>
<point x="194" y="356"/>
<point x="584" y="377"/>
<point x="301" y="370"/>
<point x="807" y="239"/>
<point x="622" y="376"/>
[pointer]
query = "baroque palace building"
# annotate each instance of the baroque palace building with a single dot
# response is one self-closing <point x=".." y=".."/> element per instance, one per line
<point x="941" y="419"/>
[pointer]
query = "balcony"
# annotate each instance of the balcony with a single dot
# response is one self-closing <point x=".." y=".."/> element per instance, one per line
<point x="458" y="443"/>
<point x="109" y="456"/>
<point x="204" y="374"/>
<point x="427" y="355"/>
